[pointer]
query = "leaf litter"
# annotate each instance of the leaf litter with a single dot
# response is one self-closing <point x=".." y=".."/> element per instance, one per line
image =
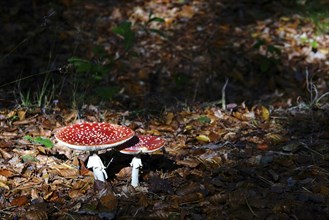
<point x="237" y="163"/>
<point x="250" y="168"/>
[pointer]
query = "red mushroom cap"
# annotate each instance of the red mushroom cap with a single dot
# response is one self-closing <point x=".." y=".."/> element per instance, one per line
<point x="146" y="144"/>
<point x="93" y="136"/>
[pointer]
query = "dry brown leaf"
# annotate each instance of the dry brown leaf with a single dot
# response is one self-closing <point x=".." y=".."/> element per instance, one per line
<point x="214" y="137"/>
<point x="188" y="189"/>
<point x="218" y="198"/>
<point x="84" y="171"/>
<point x="187" y="11"/>
<point x="11" y="114"/>
<point x="262" y="146"/>
<point x="21" y="114"/>
<point x="34" y="194"/>
<point x="109" y="201"/>
<point x="5" y="155"/>
<point x="192" y="163"/>
<point x="6" y="143"/>
<point x="3" y="179"/>
<point x="19" y="201"/>
<point x="8" y="135"/>
<point x="6" y="173"/>
<point x="35" y="215"/>
<point x="154" y="132"/>
<point x="71" y="116"/>
<point x="212" y="162"/>
<point x="124" y="173"/>
<point x="169" y="118"/>
<point x="160" y="214"/>
<point x="25" y="121"/>
<point x="67" y="173"/>
<point x="75" y="193"/>
<point x="4" y="185"/>
<point x="261" y="112"/>
<point x="190" y="198"/>
<point x="143" y="201"/>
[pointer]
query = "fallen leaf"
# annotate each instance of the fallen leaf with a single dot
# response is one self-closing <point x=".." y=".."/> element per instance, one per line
<point x="6" y="173"/>
<point x="5" y="155"/>
<point x="187" y="11"/>
<point x="36" y="215"/>
<point x="19" y="201"/>
<point x="3" y="185"/>
<point x="262" y="146"/>
<point x="192" y="163"/>
<point x="21" y="114"/>
<point x="203" y="138"/>
<point x="169" y="118"/>
<point x="109" y="201"/>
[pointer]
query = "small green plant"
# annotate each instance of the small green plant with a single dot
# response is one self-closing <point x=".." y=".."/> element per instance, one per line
<point x="40" y="140"/>
<point x="124" y="30"/>
<point x="92" y="75"/>
<point x="321" y="22"/>
<point x="151" y="20"/>
<point x="305" y="40"/>
<point x="25" y="99"/>
<point x="317" y="12"/>
<point x="204" y="119"/>
<point x="92" y="72"/>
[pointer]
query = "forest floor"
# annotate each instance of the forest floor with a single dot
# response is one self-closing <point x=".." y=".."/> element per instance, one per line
<point x="256" y="147"/>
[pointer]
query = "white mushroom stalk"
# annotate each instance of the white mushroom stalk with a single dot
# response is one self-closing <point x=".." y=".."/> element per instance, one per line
<point x="98" y="167"/>
<point x="92" y="137"/>
<point x="136" y="164"/>
<point x="146" y="144"/>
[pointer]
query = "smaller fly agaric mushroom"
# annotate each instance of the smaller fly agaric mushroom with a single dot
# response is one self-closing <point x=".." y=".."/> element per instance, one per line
<point x="94" y="136"/>
<point x="146" y="144"/>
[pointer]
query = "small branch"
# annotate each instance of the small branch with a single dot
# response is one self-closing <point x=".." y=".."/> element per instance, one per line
<point x="250" y="208"/>
<point x="308" y="148"/>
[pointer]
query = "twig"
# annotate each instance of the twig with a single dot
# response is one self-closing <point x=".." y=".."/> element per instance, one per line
<point x="313" y="151"/>
<point x="217" y="145"/>
<point x="251" y="210"/>
<point x="265" y="180"/>
<point x="311" y="88"/>
<point x="4" y="210"/>
<point x="321" y="97"/>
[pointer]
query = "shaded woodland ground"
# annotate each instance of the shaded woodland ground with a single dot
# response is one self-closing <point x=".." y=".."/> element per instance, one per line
<point x="237" y="89"/>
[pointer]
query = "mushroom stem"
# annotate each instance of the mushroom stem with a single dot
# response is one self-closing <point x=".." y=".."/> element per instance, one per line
<point x="136" y="164"/>
<point x="96" y="163"/>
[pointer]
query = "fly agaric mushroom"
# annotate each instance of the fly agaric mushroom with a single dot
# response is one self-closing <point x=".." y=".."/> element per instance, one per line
<point x="146" y="144"/>
<point x="94" y="136"/>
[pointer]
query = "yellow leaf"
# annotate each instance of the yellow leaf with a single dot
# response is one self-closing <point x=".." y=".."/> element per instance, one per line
<point x="265" y="113"/>
<point x="169" y="118"/>
<point x="3" y="185"/>
<point x="203" y="138"/>
<point x="21" y="114"/>
<point x="323" y="50"/>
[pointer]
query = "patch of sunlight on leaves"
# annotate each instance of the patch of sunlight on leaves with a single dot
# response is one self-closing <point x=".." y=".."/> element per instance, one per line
<point x="39" y="140"/>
